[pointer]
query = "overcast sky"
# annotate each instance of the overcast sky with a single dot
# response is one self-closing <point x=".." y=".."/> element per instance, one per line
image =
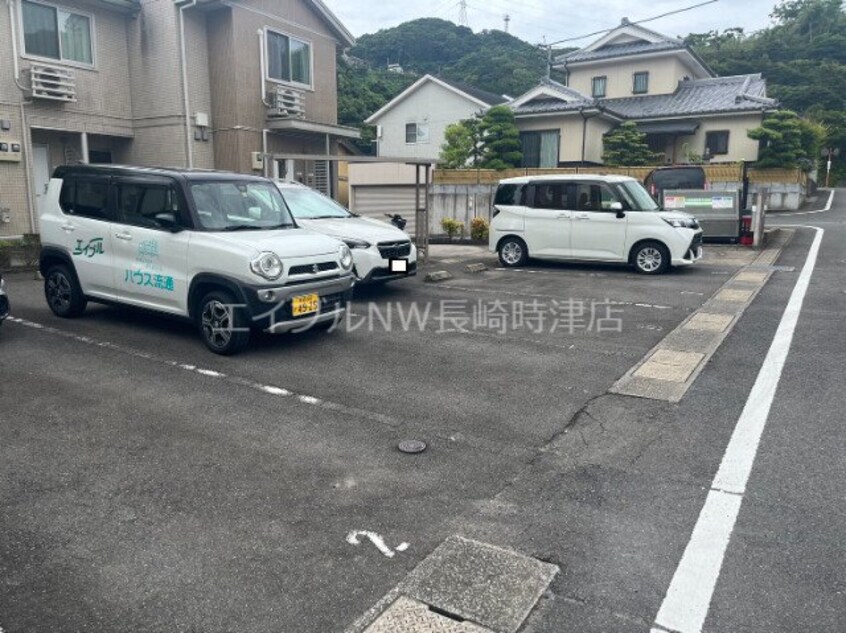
<point x="532" y="20"/>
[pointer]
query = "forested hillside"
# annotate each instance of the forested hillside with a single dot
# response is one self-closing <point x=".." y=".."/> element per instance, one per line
<point x="802" y="56"/>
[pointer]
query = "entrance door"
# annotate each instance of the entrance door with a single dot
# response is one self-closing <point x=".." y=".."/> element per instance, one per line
<point x="40" y="174"/>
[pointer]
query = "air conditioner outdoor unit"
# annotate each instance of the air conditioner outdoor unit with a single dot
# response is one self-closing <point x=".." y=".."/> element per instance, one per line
<point x="55" y="84"/>
<point x="286" y="103"/>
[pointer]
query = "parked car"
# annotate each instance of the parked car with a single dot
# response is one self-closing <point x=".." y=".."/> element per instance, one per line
<point x="218" y="248"/>
<point x="674" y="177"/>
<point x="4" y="300"/>
<point x="381" y="251"/>
<point x="590" y="218"/>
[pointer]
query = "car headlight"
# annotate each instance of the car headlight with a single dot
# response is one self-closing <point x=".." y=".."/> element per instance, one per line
<point x="267" y="265"/>
<point x="2" y="285"/>
<point x="682" y="223"/>
<point x="356" y="243"/>
<point x="345" y="255"/>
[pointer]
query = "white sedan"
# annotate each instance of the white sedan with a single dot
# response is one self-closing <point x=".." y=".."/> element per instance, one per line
<point x="381" y="252"/>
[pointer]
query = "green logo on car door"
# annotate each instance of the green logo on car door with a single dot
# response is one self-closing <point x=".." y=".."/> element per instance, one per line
<point x="94" y="247"/>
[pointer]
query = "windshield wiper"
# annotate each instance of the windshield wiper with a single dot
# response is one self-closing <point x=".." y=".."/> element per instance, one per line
<point x="243" y="227"/>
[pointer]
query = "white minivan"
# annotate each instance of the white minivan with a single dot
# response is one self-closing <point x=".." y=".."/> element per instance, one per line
<point x="590" y="218"/>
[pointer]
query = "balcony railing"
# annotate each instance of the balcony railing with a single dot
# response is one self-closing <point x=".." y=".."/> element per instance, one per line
<point x="286" y="103"/>
<point x="55" y="84"/>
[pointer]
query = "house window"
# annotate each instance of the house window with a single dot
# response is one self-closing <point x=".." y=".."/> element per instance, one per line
<point x="540" y="149"/>
<point x="717" y="143"/>
<point x="416" y="133"/>
<point x="598" y="85"/>
<point x="640" y="85"/>
<point x="289" y="59"/>
<point x="56" y="33"/>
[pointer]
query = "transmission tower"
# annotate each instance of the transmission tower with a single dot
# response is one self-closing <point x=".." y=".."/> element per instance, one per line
<point x="507" y="19"/>
<point x="462" y="13"/>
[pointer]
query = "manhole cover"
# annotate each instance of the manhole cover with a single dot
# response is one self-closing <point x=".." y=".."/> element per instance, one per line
<point x="412" y="446"/>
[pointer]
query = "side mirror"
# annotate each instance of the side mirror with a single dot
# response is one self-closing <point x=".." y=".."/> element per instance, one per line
<point x="168" y="222"/>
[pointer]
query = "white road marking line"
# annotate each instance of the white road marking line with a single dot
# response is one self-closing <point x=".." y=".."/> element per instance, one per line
<point x="688" y="599"/>
<point x="827" y="208"/>
<point x="377" y="540"/>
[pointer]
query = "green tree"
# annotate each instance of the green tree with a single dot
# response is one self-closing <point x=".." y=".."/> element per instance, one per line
<point x="626" y="145"/>
<point x="788" y="141"/>
<point x="500" y="139"/>
<point x="463" y="144"/>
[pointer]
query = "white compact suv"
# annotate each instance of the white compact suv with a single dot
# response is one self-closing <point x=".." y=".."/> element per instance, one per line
<point x="381" y="251"/>
<point x="218" y="248"/>
<point x="590" y="218"/>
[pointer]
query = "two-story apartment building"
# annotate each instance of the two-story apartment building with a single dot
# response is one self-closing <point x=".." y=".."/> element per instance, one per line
<point x="190" y="83"/>
<point x="635" y="74"/>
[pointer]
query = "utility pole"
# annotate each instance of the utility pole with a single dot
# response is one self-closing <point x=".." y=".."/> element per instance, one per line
<point x="462" y="13"/>
<point x="507" y="19"/>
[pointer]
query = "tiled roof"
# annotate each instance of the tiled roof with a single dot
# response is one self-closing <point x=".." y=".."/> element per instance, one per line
<point x="540" y="106"/>
<point x="620" y="50"/>
<point x="740" y="93"/>
<point x="477" y="93"/>
<point x="699" y="96"/>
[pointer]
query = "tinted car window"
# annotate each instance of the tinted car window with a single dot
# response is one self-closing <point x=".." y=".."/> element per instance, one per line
<point x="147" y="205"/>
<point x="678" y="179"/>
<point x="550" y="196"/>
<point x="67" y="195"/>
<point x="509" y="194"/>
<point x="91" y="199"/>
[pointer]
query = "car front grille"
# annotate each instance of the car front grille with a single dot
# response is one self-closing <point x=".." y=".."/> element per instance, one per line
<point x="697" y="242"/>
<point x="312" y="269"/>
<point x="394" y="250"/>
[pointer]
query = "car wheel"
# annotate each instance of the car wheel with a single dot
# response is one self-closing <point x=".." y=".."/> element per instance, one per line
<point x="513" y="252"/>
<point x="63" y="292"/>
<point x="651" y="258"/>
<point x="223" y="326"/>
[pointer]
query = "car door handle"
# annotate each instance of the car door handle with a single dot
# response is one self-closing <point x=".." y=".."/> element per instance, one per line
<point x="564" y="215"/>
<point x="126" y="237"/>
<point x="68" y="228"/>
<point x="583" y="216"/>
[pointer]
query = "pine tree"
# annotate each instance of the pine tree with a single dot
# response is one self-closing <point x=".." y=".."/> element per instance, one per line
<point x="626" y="146"/>
<point x="787" y="141"/>
<point x="501" y="139"/>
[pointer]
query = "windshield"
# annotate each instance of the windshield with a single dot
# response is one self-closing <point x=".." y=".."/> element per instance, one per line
<point x="637" y="197"/>
<point x="307" y="204"/>
<point x="240" y="206"/>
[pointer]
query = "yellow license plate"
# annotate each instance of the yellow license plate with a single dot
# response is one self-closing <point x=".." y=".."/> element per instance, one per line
<point x="305" y="304"/>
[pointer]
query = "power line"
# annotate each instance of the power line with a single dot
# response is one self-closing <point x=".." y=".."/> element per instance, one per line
<point x="652" y="19"/>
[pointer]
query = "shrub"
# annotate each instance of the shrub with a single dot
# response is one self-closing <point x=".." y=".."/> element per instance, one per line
<point x="452" y="227"/>
<point x="479" y="229"/>
<point x="5" y="255"/>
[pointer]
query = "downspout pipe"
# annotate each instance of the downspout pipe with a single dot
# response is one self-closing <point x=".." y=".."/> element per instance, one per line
<point x="26" y="137"/>
<point x="584" y="130"/>
<point x="186" y="104"/>
<point x="266" y="167"/>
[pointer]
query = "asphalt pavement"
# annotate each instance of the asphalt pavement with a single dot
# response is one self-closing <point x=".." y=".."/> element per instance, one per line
<point x="148" y="485"/>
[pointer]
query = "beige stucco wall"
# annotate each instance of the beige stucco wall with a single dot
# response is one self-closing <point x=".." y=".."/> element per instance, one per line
<point x="430" y="104"/>
<point x="741" y="147"/>
<point x="664" y="75"/>
<point x="570" y="128"/>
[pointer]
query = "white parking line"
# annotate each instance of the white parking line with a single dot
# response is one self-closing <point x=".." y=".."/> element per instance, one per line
<point x="210" y="373"/>
<point x="688" y="599"/>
